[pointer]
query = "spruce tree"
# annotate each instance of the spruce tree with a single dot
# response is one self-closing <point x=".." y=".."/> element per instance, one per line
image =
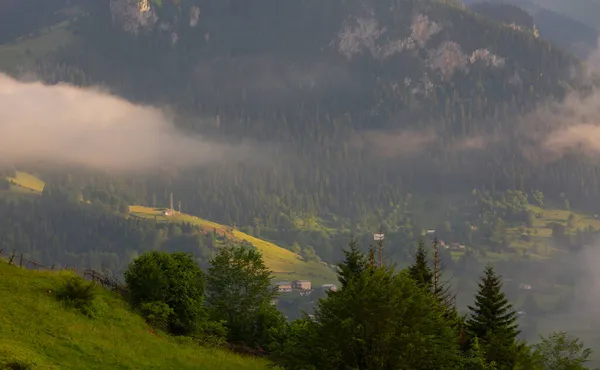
<point x="441" y="289"/>
<point x="354" y="264"/>
<point x="493" y="321"/>
<point x="431" y="279"/>
<point x="420" y="270"/>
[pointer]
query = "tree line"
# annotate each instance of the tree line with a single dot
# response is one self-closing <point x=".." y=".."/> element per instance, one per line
<point x="380" y="318"/>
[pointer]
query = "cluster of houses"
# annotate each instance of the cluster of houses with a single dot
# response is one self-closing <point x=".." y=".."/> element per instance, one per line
<point x="450" y="246"/>
<point x="300" y="285"/>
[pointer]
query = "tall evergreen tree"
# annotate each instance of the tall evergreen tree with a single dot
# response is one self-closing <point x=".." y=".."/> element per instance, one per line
<point x="354" y="264"/>
<point x="420" y="270"/>
<point x="441" y="289"/>
<point x="493" y="321"/>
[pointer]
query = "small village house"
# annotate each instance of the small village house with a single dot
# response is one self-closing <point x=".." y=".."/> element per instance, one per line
<point x="331" y="287"/>
<point x="283" y="286"/>
<point x="301" y="285"/>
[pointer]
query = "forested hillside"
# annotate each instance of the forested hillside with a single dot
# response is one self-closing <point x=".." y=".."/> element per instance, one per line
<point x="370" y="104"/>
<point x="572" y="35"/>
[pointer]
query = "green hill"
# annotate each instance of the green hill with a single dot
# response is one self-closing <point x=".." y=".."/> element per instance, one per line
<point x="284" y="263"/>
<point x="36" y="331"/>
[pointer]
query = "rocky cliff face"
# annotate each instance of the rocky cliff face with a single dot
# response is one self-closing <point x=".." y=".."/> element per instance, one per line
<point x="136" y="16"/>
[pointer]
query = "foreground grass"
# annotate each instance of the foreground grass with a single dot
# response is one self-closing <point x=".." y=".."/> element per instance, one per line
<point x="38" y="331"/>
<point x="285" y="264"/>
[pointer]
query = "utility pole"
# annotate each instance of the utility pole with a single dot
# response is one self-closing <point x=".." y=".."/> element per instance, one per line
<point x="171" y="202"/>
<point x="379" y="238"/>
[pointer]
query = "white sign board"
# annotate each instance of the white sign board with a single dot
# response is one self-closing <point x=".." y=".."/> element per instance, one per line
<point x="378" y="237"/>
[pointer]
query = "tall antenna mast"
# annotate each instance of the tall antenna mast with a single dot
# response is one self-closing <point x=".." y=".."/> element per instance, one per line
<point x="171" y="202"/>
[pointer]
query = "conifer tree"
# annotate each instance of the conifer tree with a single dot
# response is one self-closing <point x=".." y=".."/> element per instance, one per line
<point x="493" y="321"/>
<point x="441" y="289"/>
<point x="354" y="264"/>
<point x="431" y="279"/>
<point x="420" y="270"/>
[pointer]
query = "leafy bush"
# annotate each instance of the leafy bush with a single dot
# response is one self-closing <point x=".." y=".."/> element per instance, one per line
<point x="157" y="314"/>
<point x="212" y="333"/>
<point x="174" y="279"/>
<point x="79" y="294"/>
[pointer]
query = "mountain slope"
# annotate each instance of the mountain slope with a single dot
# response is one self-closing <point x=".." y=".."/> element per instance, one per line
<point x="367" y="101"/>
<point x="37" y="331"/>
<point x="284" y="263"/>
<point x="557" y="28"/>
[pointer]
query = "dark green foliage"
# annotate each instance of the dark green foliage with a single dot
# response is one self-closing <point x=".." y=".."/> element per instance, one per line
<point x="157" y="314"/>
<point x="174" y="279"/>
<point x="291" y="349"/>
<point x="79" y="294"/>
<point x="378" y="320"/>
<point x="493" y="321"/>
<point x="354" y="264"/>
<point x="383" y="320"/>
<point x="420" y="270"/>
<point x="211" y="333"/>
<point x="239" y="293"/>
<point x="558" y="351"/>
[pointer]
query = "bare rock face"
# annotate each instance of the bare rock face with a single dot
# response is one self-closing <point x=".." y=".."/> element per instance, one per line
<point x="133" y="15"/>
<point x="137" y="16"/>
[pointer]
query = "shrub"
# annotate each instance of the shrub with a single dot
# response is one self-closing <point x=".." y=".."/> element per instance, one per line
<point x="211" y="333"/>
<point x="157" y="314"/>
<point x="174" y="279"/>
<point x="79" y="294"/>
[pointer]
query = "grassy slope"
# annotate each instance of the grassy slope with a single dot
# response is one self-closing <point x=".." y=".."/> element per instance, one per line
<point x="284" y="263"/>
<point x="540" y="244"/>
<point x="37" y="330"/>
<point x="23" y="184"/>
<point x="27" y="182"/>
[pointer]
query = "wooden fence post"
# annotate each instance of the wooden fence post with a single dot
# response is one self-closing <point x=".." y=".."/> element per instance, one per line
<point x="12" y="258"/>
<point x="21" y="261"/>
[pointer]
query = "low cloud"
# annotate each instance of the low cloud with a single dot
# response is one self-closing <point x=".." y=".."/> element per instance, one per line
<point x="66" y="125"/>
<point x="593" y="60"/>
<point x="560" y="129"/>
